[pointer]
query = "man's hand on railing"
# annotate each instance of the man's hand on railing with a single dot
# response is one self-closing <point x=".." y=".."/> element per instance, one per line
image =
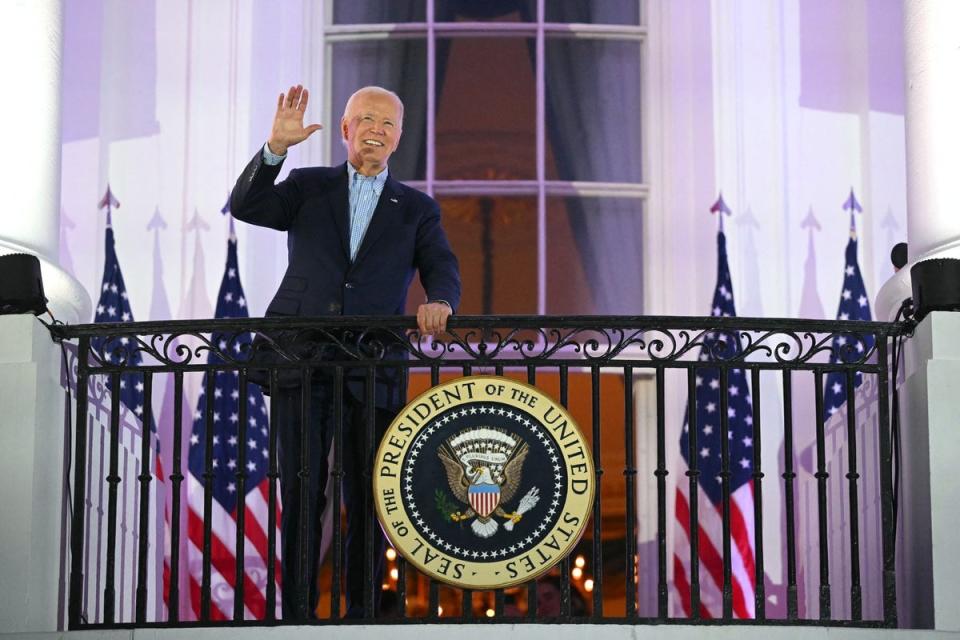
<point x="432" y="318"/>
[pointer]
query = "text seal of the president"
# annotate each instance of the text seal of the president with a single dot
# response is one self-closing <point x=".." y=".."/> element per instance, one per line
<point x="483" y="482"/>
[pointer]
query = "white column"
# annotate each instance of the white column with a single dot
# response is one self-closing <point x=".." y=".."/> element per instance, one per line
<point x="932" y="66"/>
<point x="31" y="45"/>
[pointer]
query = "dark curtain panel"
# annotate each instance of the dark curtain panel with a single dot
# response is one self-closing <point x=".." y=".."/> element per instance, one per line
<point x="593" y="126"/>
<point x="396" y="64"/>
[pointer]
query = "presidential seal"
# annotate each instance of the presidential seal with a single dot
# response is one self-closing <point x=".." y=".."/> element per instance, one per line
<point x="483" y="482"/>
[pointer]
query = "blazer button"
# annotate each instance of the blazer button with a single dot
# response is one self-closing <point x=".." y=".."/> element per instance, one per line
<point x="348" y="285"/>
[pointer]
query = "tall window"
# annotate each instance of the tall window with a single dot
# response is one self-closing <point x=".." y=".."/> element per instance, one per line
<point x="523" y="119"/>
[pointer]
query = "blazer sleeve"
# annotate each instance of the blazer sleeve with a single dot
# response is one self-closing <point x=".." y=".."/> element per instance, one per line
<point x="435" y="260"/>
<point x="257" y="200"/>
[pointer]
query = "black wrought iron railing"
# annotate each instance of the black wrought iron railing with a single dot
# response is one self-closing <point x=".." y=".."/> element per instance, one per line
<point x="154" y="540"/>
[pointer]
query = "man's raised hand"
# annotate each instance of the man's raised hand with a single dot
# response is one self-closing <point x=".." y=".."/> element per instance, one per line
<point x="288" y="128"/>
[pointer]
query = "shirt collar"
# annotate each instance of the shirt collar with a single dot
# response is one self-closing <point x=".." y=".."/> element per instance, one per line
<point x="378" y="180"/>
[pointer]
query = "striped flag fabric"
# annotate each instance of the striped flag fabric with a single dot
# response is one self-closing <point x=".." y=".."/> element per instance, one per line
<point x="227" y="470"/>
<point x="854" y="305"/>
<point x="707" y="424"/>
<point x="484" y="498"/>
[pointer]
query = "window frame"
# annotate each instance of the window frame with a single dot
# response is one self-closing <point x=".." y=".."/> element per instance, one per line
<point x="540" y="187"/>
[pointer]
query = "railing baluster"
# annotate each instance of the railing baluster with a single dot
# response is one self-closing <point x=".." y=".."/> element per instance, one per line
<point x="886" y="485"/>
<point x="75" y="613"/>
<point x="434" y="597"/>
<point x="402" y="585"/>
<point x="94" y="548"/>
<point x="176" y="478"/>
<point x="144" y="478"/>
<point x="630" y="478"/>
<point x="597" y="511"/>
<point x="400" y="561"/>
<point x="565" y="563"/>
<point x="821" y="475"/>
<point x="466" y="596"/>
<point x="338" y="445"/>
<point x="760" y="598"/>
<point x="273" y="475"/>
<point x="532" y="584"/>
<point x="121" y="543"/>
<point x="693" y="473"/>
<point x="856" y="608"/>
<point x="208" y="480"/>
<point x="304" y="552"/>
<point x="788" y="477"/>
<point x="373" y="556"/>
<point x="498" y="596"/>
<point x="135" y="470"/>
<point x="661" y="474"/>
<point x="241" y="482"/>
<point x="466" y="604"/>
<point x="113" y="480"/>
<point x="725" y="493"/>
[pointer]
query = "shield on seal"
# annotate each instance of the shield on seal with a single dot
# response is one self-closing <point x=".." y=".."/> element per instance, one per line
<point x="484" y="498"/>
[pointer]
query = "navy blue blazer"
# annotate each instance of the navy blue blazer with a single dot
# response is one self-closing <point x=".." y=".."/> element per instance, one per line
<point x="312" y="205"/>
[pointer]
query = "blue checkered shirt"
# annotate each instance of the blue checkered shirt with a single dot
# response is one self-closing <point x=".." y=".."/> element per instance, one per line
<point x="364" y="195"/>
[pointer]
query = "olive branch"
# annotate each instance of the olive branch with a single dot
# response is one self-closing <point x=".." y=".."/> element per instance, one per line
<point x="444" y="505"/>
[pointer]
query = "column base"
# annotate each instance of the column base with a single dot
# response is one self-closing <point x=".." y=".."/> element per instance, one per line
<point x="31" y="456"/>
<point x="928" y="567"/>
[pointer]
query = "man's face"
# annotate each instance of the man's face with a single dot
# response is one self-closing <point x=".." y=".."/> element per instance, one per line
<point x="371" y="130"/>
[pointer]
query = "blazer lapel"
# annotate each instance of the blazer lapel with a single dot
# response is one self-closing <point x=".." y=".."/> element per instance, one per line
<point x="384" y="216"/>
<point x="339" y="202"/>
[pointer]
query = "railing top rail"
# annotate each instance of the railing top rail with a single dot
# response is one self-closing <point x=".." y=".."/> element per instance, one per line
<point x="483" y="322"/>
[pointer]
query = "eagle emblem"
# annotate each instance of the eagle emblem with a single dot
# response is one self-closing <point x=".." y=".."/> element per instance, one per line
<point x="484" y="467"/>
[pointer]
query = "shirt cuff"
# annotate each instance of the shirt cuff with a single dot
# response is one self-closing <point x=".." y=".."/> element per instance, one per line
<point x="442" y="302"/>
<point x="271" y="158"/>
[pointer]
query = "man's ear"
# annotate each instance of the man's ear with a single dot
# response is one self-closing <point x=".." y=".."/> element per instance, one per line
<point x="344" y="128"/>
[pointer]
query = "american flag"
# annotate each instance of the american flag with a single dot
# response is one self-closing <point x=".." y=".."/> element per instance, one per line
<point x="114" y="306"/>
<point x="854" y="305"/>
<point x="226" y="472"/>
<point x="708" y="461"/>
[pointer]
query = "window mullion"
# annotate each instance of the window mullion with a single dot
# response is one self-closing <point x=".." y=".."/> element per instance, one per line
<point x="431" y="99"/>
<point x="541" y="164"/>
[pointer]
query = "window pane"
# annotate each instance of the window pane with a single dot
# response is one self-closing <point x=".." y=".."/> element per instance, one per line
<point x="495" y="239"/>
<point x="594" y="12"/>
<point x="596" y="136"/>
<point x="486" y="109"/>
<point x="376" y="11"/>
<point x="594" y="256"/>
<point x="398" y="65"/>
<point x="485" y="10"/>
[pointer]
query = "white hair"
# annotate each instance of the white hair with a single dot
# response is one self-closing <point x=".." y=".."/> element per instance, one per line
<point x="375" y="90"/>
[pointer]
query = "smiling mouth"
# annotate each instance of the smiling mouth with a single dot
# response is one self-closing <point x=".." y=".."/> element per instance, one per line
<point x="373" y="143"/>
